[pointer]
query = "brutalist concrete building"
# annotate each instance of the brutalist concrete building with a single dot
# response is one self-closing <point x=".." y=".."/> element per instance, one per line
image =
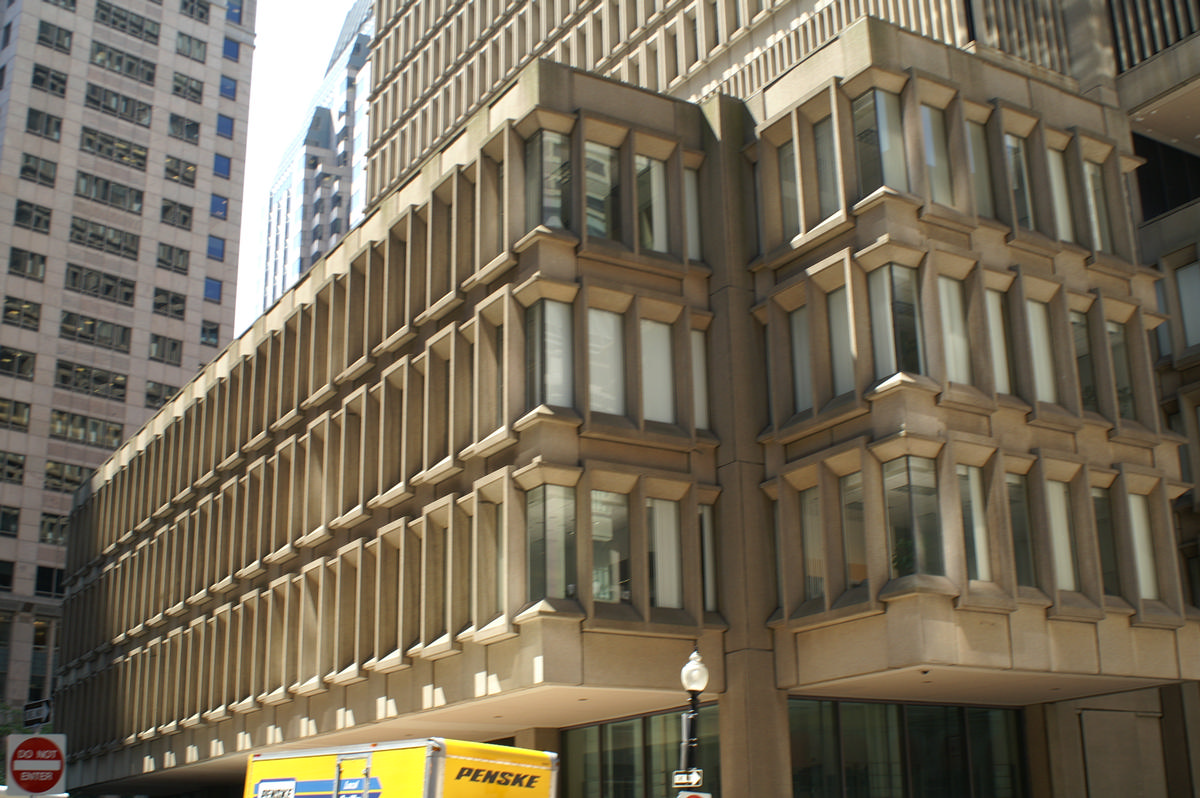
<point x="841" y="343"/>
<point x="122" y="151"/>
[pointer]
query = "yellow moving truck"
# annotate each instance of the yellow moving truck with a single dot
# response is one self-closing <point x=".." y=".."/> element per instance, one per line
<point x="426" y="768"/>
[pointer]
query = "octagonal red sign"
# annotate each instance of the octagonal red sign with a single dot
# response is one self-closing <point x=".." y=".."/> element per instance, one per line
<point x="36" y="763"/>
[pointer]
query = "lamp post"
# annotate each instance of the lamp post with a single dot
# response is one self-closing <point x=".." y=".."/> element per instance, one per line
<point x="694" y="677"/>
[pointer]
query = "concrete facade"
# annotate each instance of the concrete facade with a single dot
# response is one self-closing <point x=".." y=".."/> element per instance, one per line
<point x="120" y="236"/>
<point x="853" y="381"/>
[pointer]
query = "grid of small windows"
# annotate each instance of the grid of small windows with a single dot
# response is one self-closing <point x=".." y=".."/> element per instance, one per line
<point x="127" y="21"/>
<point x="188" y="88"/>
<point x="180" y="171"/>
<point x="40" y="123"/>
<point x="54" y="37"/>
<point x="68" y="426"/>
<point x="49" y="80"/>
<point x="169" y="303"/>
<point x="191" y="47"/>
<point x="10" y="521"/>
<point x="116" y="104"/>
<point x="111" y="148"/>
<point x="14" y="415"/>
<point x="176" y="214"/>
<point x="97" y="332"/>
<point x="23" y="263"/>
<point x="103" y="285"/>
<point x="32" y="216"/>
<point x="53" y="529"/>
<point x="17" y="363"/>
<point x="108" y="192"/>
<point x="12" y="467"/>
<point x="173" y="259"/>
<point x="210" y="333"/>
<point x="38" y="170"/>
<point x="166" y="350"/>
<point x="196" y="9"/>
<point x="80" y="378"/>
<point x="49" y="582"/>
<point x="67" y="4"/>
<point x="22" y="313"/>
<point x="123" y="63"/>
<point x="157" y="393"/>
<point x="104" y="238"/>
<point x="181" y="127"/>
<point x="65" y="477"/>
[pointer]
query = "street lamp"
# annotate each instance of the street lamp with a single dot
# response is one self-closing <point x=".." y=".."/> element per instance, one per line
<point x="694" y="677"/>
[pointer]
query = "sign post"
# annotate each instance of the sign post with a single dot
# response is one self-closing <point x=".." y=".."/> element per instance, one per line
<point x="37" y="763"/>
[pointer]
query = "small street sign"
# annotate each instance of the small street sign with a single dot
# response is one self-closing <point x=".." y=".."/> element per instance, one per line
<point x="37" y="712"/>
<point x="36" y="763"/>
<point x="688" y="779"/>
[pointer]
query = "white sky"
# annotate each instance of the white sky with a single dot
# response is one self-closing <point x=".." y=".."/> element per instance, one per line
<point x="293" y="42"/>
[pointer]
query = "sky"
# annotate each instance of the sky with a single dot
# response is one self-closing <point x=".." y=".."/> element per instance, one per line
<point x="293" y="42"/>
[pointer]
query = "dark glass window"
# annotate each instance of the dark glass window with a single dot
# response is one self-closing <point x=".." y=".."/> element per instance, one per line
<point x="1169" y="178"/>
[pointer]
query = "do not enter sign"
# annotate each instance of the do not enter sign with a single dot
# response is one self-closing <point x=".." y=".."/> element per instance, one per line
<point x="36" y="763"/>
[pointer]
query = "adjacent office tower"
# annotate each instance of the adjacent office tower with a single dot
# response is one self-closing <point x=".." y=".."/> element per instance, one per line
<point x="122" y="144"/>
<point x="319" y="191"/>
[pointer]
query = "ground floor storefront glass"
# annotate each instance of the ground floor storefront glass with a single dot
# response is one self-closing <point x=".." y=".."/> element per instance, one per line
<point x="635" y="757"/>
<point x="843" y="749"/>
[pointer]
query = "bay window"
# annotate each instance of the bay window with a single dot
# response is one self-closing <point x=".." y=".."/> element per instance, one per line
<point x="1021" y="526"/>
<point x="879" y="140"/>
<point x="1084" y="362"/>
<point x="979" y="160"/>
<point x="658" y="374"/>
<point x="910" y="488"/>
<point x="1017" y="162"/>
<point x="1106" y="541"/>
<point x="837" y="304"/>
<point x="548" y="180"/>
<point x="1143" y="546"/>
<point x="549" y="362"/>
<point x="828" y="199"/>
<point x="854" y="530"/>
<point x="1060" y="195"/>
<point x="1097" y="207"/>
<point x="550" y="526"/>
<point x="651" y="203"/>
<point x="1041" y="346"/>
<point x="955" y="339"/>
<point x="602" y="166"/>
<point x="789" y="189"/>
<point x="937" y="156"/>
<point x="1118" y="347"/>
<point x="606" y="362"/>
<point x="611" y="579"/>
<point x="996" y="305"/>
<point x="813" y="544"/>
<point x="801" y="360"/>
<point x="666" y="558"/>
<point x="975" y="524"/>
<point x="1062" y="535"/>
<point x="895" y="324"/>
